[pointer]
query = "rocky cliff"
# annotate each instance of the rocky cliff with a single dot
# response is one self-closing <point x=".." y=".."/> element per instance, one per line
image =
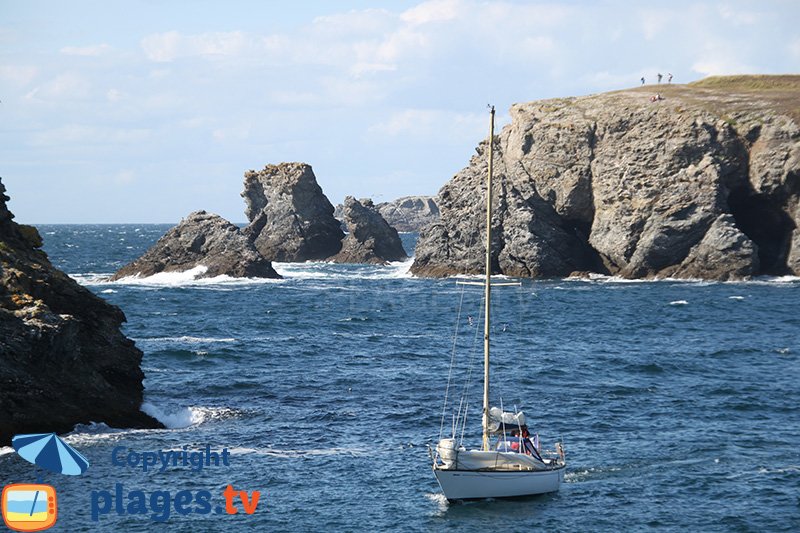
<point x="370" y="239"/>
<point x="290" y="218"/>
<point x="702" y="183"/>
<point x="63" y="358"/>
<point x="202" y="239"/>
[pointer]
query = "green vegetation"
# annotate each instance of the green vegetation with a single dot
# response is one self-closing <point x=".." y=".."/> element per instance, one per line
<point x="788" y="82"/>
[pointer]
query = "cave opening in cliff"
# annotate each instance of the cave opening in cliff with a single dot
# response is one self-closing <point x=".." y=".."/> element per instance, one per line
<point x="589" y="259"/>
<point x="767" y="225"/>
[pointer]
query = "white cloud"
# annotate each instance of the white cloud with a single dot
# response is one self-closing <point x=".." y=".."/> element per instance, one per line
<point x="739" y="17"/>
<point x="166" y="47"/>
<point x="719" y="56"/>
<point x="89" y="134"/>
<point x="19" y="75"/>
<point x="721" y="65"/>
<point x="433" y="11"/>
<point x="67" y="86"/>
<point x="444" y="126"/>
<point x="655" y="21"/>
<point x="86" y="51"/>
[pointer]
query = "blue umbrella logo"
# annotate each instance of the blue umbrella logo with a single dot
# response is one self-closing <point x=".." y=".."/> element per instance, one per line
<point x="48" y="451"/>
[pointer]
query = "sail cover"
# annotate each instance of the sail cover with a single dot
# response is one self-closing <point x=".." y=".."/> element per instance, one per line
<point x="500" y="421"/>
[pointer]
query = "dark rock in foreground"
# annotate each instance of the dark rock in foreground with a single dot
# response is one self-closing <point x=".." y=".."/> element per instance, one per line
<point x="370" y="238"/>
<point x="63" y="358"/>
<point x="702" y="184"/>
<point x="202" y="239"/>
<point x="290" y="218"/>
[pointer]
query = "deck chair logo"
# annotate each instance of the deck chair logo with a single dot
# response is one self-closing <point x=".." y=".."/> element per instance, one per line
<point x="34" y="506"/>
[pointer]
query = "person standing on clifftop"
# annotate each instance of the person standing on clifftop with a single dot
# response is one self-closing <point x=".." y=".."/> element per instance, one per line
<point x="642" y="80"/>
<point x="659" y="77"/>
<point x="669" y="77"/>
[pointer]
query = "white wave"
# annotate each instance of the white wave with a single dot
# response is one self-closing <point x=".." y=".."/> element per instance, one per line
<point x="327" y="271"/>
<point x="679" y="302"/>
<point x="181" y="418"/>
<point x="439" y="499"/>
<point x="5" y="450"/>
<point x="773" y="280"/>
<point x="186" y="339"/>
<point x="185" y="278"/>
<point x="736" y="297"/>
<point x="184" y="417"/>
<point x="782" y="351"/>
<point x="308" y="452"/>
<point x="91" y="278"/>
<point x="108" y="291"/>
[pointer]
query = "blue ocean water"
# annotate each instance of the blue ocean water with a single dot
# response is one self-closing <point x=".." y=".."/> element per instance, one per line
<point x="677" y="401"/>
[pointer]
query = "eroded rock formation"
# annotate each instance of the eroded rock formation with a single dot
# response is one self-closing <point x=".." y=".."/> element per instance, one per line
<point x="701" y="184"/>
<point x="370" y="238"/>
<point x="63" y="358"/>
<point x="202" y="239"/>
<point x="290" y="217"/>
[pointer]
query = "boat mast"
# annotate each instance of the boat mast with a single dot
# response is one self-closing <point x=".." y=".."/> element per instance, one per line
<point x="487" y="288"/>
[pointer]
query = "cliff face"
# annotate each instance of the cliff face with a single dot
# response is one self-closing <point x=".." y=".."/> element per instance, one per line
<point x="703" y="183"/>
<point x="290" y="217"/>
<point x="202" y="239"/>
<point x="63" y="358"/>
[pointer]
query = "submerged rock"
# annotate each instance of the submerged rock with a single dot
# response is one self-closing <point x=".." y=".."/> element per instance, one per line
<point x="202" y="239"/>
<point x="703" y="183"/>
<point x="63" y="358"/>
<point x="370" y="238"/>
<point x="290" y="217"/>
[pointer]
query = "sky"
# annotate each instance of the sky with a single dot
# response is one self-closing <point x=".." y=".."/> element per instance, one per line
<point x="143" y="111"/>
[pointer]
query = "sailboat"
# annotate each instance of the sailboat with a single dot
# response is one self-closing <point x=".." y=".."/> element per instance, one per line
<point x="513" y="465"/>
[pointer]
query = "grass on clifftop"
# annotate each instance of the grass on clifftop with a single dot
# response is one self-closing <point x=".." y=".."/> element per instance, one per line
<point x="729" y="96"/>
<point x="788" y="82"/>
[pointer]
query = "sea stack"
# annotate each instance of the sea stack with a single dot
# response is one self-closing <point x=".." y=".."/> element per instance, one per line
<point x="290" y="217"/>
<point x="370" y="238"/>
<point x="63" y="358"/>
<point x="701" y="183"/>
<point x="202" y="240"/>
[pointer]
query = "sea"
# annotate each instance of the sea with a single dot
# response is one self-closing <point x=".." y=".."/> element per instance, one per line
<point x="677" y="402"/>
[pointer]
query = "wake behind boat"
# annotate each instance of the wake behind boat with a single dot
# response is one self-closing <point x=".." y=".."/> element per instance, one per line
<point x="514" y="464"/>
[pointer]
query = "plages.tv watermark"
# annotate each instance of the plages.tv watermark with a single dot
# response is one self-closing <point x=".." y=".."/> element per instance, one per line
<point x="160" y="505"/>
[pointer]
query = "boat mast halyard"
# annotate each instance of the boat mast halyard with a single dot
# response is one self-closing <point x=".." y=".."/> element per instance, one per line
<point x="487" y="287"/>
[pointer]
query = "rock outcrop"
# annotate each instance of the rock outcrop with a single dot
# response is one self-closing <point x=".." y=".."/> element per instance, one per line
<point x="290" y="218"/>
<point x="63" y="358"/>
<point x="701" y="184"/>
<point x="370" y="238"/>
<point x="408" y="214"/>
<point x="202" y="239"/>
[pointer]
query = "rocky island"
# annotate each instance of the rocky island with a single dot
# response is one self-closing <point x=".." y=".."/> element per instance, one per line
<point x="63" y="358"/>
<point x="370" y="239"/>
<point x="408" y="214"/>
<point x="291" y="220"/>
<point x="290" y="217"/>
<point x="699" y="181"/>
<point x="202" y="239"/>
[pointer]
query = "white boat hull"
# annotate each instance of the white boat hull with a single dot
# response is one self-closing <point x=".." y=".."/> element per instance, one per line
<point x="479" y="484"/>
